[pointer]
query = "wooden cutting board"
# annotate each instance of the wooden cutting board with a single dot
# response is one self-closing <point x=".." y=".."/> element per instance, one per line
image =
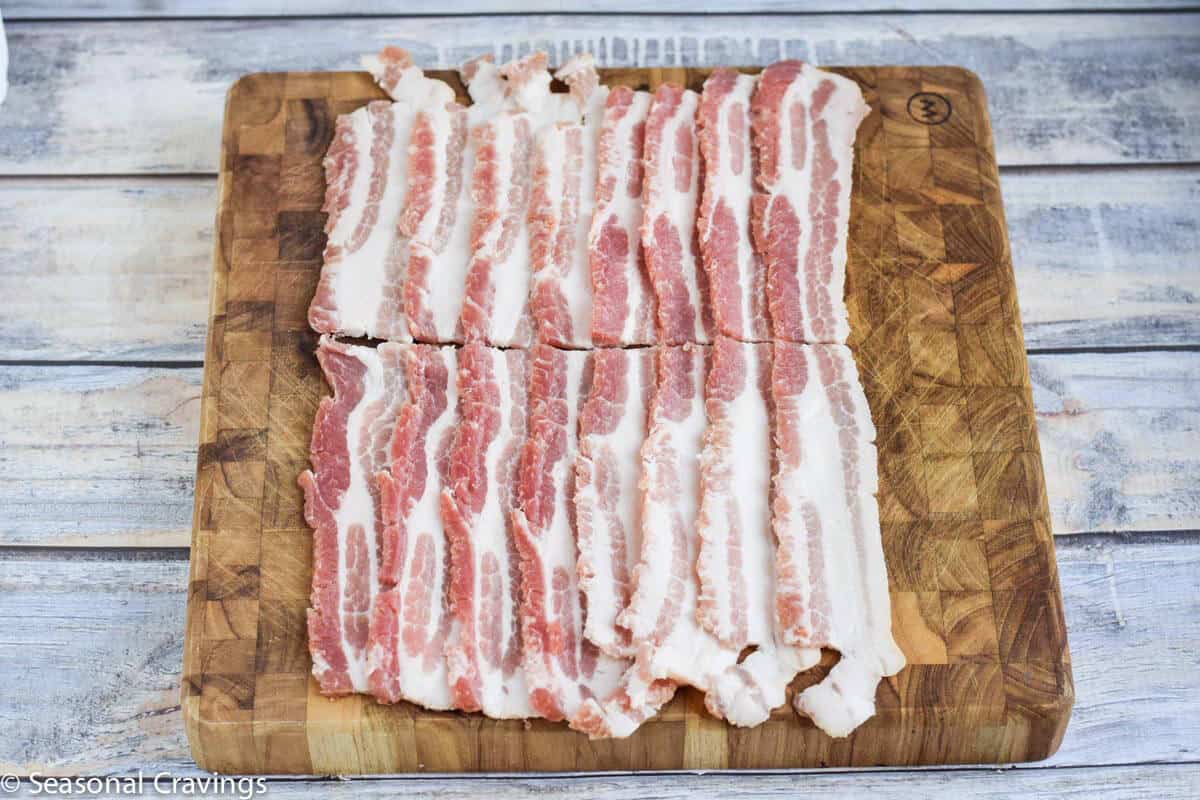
<point x="966" y="529"/>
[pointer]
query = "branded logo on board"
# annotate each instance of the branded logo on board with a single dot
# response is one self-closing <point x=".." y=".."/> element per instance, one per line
<point x="929" y="108"/>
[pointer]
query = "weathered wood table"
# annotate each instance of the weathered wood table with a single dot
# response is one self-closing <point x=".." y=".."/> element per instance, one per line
<point x="108" y="147"/>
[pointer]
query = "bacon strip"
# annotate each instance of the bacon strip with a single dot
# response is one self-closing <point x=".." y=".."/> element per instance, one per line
<point x="342" y="505"/>
<point x="832" y="586"/>
<point x="357" y="293"/>
<point x="496" y="296"/>
<point x="736" y="273"/>
<point x="484" y="655"/>
<point x="624" y="309"/>
<point x="737" y="548"/>
<point x="612" y="428"/>
<point x="559" y="302"/>
<point x="804" y="122"/>
<point x="434" y="219"/>
<point x="560" y="213"/>
<point x="662" y="617"/>
<point x="562" y="667"/>
<point x="411" y="620"/>
<point x="669" y="197"/>
<point x="494" y="309"/>
<point x="361" y="289"/>
<point x="441" y="205"/>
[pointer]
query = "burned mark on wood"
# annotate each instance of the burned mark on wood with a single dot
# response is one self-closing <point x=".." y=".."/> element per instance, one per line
<point x="929" y="108"/>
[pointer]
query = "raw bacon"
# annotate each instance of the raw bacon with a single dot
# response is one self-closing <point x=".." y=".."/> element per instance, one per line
<point x="612" y="428"/>
<point x="495" y="303"/>
<point x="393" y="69"/>
<point x="361" y="289"/>
<point x="358" y="293"/>
<point x="669" y="197"/>
<point x="411" y="620"/>
<point x="560" y="213"/>
<point x="562" y="667"/>
<point x="623" y="311"/>
<point x="494" y="309"/>
<point x="662" y="616"/>
<point x="737" y="548"/>
<point x="553" y="215"/>
<point x="441" y="205"/>
<point x="736" y="274"/>
<point x="804" y="121"/>
<point x="350" y="440"/>
<point x="831" y="585"/>
<point x="484" y="656"/>
<point x="433" y="221"/>
<point x="529" y="527"/>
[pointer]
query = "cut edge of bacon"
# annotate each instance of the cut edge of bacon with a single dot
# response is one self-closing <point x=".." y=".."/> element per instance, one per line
<point x="395" y="72"/>
<point x="619" y="715"/>
<point x="579" y="73"/>
<point x="387" y="67"/>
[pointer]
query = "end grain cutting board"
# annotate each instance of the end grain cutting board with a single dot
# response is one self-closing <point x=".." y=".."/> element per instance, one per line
<point x="975" y="595"/>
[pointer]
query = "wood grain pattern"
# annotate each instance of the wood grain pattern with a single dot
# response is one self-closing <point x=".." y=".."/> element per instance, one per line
<point x="1051" y="104"/>
<point x="113" y="706"/>
<point x="966" y="522"/>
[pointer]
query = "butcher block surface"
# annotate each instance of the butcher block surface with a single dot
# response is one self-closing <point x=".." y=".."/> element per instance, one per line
<point x="934" y="325"/>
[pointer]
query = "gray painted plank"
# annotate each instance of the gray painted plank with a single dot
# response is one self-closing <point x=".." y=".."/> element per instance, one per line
<point x="1103" y="258"/>
<point x="1064" y="88"/>
<point x="97" y="455"/>
<point x="1118" y="434"/>
<point x="103" y="456"/>
<point x="160" y="9"/>
<point x="1106" y="257"/>
<point x="1133" y="616"/>
<point x="103" y="269"/>
<point x="1142" y="782"/>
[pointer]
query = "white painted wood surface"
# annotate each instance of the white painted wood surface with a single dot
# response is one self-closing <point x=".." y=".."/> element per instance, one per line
<point x="158" y="9"/>
<point x="147" y="96"/>
<point x="1120" y="437"/>
<point x="113" y="706"/>
<point x="104" y="257"/>
<point x="105" y="268"/>
<point x="1108" y="258"/>
<point x="97" y="455"/>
